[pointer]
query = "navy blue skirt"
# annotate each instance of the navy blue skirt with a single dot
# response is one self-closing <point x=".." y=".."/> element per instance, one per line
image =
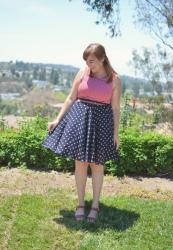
<point x="84" y="133"/>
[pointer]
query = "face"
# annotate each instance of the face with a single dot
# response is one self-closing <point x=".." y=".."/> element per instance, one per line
<point x="94" y="64"/>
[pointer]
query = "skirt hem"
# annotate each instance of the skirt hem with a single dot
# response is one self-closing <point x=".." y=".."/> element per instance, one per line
<point x="75" y="158"/>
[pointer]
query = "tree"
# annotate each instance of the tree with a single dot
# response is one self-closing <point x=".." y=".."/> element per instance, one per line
<point x="12" y="69"/>
<point x="157" y="17"/>
<point x="108" y="14"/>
<point x="154" y="65"/>
<point x="154" y="15"/>
<point x="54" y="77"/>
<point x="42" y="74"/>
<point x="166" y="69"/>
<point x="35" y="73"/>
<point x="136" y="88"/>
<point x="124" y="87"/>
<point x="28" y="81"/>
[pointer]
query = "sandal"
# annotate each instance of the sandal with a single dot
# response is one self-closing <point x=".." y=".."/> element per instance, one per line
<point x="79" y="216"/>
<point x="91" y="218"/>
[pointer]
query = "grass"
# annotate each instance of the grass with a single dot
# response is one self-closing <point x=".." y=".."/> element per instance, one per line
<point x="41" y="222"/>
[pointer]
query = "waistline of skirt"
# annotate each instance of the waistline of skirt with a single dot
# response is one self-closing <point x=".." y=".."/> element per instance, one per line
<point x="92" y="102"/>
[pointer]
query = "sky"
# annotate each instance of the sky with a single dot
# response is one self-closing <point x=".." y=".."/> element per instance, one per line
<point x="49" y="31"/>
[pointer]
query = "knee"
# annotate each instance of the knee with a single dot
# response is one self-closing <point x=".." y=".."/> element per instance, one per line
<point x="97" y="167"/>
<point x="80" y="165"/>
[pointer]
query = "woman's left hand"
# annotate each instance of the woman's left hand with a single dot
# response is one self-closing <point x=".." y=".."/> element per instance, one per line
<point x="116" y="141"/>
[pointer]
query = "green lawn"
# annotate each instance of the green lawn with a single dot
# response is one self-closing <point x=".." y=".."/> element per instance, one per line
<point x="47" y="222"/>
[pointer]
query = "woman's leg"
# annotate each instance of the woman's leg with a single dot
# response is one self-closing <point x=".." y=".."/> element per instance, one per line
<point x="80" y="179"/>
<point x="97" y="182"/>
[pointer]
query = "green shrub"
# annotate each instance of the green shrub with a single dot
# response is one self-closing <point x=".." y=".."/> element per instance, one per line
<point x="164" y="157"/>
<point x="140" y="152"/>
<point x="146" y="152"/>
<point x="24" y="147"/>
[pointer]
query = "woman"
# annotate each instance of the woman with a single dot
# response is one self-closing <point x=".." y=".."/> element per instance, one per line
<point x="86" y="128"/>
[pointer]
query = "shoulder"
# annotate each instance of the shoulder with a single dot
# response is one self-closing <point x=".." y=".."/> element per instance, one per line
<point x="116" y="81"/>
<point x="79" y="73"/>
<point x="82" y="72"/>
<point x="78" y="77"/>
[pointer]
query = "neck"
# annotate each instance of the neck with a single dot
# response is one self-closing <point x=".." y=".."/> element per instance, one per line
<point x="101" y="73"/>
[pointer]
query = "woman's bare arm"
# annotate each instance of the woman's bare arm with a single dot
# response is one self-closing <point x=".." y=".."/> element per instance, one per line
<point x="115" y="103"/>
<point x="71" y="97"/>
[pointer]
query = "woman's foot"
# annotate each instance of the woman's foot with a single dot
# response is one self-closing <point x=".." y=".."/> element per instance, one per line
<point x="93" y="214"/>
<point x="79" y="214"/>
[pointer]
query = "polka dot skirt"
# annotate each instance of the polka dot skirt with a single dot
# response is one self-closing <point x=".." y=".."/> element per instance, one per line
<point x="84" y="133"/>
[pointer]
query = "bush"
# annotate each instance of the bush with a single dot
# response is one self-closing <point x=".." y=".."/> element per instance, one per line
<point x="146" y="152"/>
<point x="24" y="147"/>
<point x="140" y="152"/>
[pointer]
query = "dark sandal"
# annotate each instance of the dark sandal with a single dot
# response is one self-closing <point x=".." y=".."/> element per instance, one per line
<point x="79" y="216"/>
<point x="91" y="218"/>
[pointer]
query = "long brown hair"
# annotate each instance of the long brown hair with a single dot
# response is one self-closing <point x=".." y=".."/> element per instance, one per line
<point x="98" y="51"/>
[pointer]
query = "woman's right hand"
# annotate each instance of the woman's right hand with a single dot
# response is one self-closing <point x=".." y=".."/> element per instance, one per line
<point x="51" y="126"/>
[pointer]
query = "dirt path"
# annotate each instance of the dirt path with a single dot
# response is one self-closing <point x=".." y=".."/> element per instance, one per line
<point x="18" y="181"/>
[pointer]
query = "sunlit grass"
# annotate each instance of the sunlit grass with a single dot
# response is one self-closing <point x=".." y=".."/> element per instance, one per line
<point x="47" y="222"/>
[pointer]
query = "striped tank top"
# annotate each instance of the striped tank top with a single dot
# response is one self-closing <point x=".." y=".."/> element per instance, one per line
<point x="95" y="89"/>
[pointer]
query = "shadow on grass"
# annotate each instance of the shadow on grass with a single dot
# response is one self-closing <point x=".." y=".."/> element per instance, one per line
<point x="108" y="218"/>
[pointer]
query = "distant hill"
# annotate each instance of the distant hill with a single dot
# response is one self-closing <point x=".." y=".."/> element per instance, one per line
<point x="57" y="75"/>
<point x="20" y="65"/>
